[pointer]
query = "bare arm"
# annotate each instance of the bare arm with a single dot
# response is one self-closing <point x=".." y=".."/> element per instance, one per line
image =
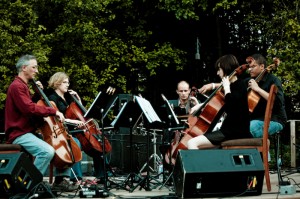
<point x="208" y="87"/>
<point x="254" y="86"/>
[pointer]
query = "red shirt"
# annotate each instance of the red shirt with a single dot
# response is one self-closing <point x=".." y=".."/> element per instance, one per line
<point x="19" y="110"/>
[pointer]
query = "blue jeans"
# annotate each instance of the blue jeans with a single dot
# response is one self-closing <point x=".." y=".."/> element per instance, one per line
<point x="256" y="128"/>
<point x="41" y="150"/>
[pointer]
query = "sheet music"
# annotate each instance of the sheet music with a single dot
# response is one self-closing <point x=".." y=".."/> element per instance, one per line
<point x="147" y="109"/>
<point x="170" y="108"/>
<point x="112" y="104"/>
<point x="93" y="104"/>
<point x="101" y="105"/>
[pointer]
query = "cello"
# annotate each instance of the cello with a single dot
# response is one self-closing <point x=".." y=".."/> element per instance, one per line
<point x="54" y="132"/>
<point x="91" y="138"/>
<point x="254" y="97"/>
<point x="205" y="117"/>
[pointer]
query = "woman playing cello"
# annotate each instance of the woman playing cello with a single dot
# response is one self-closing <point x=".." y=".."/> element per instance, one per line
<point x="62" y="98"/>
<point x="236" y="123"/>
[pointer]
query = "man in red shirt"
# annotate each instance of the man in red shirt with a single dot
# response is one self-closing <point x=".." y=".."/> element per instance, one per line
<point x="20" y="110"/>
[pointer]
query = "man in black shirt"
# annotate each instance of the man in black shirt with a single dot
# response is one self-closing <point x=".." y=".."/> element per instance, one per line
<point x="279" y="117"/>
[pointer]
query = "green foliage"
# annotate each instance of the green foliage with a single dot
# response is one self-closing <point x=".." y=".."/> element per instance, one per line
<point x="285" y="32"/>
<point x="19" y="34"/>
<point x="121" y="43"/>
<point x="267" y="27"/>
<point x="225" y="4"/>
<point x="185" y="9"/>
<point x="102" y="40"/>
<point x="102" y="43"/>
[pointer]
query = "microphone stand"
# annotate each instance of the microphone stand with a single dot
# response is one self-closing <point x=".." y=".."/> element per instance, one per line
<point x="131" y="177"/>
<point x="169" y="130"/>
<point x="105" y="193"/>
<point x="104" y="153"/>
<point x="145" y="183"/>
<point x="102" y="139"/>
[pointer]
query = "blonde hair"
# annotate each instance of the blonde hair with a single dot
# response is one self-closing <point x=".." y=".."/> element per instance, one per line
<point x="56" y="79"/>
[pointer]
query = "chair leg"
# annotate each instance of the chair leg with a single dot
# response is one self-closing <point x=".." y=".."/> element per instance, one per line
<point x="266" y="167"/>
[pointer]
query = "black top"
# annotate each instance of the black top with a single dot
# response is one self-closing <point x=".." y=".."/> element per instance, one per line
<point x="61" y="104"/>
<point x="237" y="122"/>
<point x="278" y="112"/>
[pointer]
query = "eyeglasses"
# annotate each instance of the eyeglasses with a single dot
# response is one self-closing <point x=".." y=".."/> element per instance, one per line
<point x="66" y="82"/>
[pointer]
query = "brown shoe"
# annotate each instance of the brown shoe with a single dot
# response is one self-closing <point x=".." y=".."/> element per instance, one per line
<point x="64" y="186"/>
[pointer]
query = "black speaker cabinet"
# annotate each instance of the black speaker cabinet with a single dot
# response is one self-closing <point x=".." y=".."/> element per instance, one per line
<point x="120" y="154"/>
<point x="218" y="173"/>
<point x="17" y="174"/>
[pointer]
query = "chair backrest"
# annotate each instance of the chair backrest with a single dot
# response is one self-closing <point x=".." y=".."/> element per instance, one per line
<point x="268" y="114"/>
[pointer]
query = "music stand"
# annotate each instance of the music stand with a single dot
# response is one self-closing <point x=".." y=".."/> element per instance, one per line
<point x="171" y="118"/>
<point x="129" y="112"/>
<point x="153" y="121"/>
<point x="102" y="103"/>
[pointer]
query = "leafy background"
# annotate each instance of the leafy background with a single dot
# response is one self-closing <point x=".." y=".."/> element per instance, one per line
<point x="147" y="46"/>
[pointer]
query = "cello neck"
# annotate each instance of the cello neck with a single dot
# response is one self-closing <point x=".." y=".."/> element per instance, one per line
<point x="41" y="92"/>
<point x="239" y="70"/>
<point x="82" y="108"/>
<point x="261" y="75"/>
<point x="267" y="69"/>
<point x="47" y="102"/>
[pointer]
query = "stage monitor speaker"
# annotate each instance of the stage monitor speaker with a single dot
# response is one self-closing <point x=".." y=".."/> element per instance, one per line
<point x="218" y="173"/>
<point x="120" y="155"/>
<point x="17" y="174"/>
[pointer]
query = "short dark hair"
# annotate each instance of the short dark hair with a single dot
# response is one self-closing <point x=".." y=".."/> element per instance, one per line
<point x="228" y="63"/>
<point x="259" y="59"/>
